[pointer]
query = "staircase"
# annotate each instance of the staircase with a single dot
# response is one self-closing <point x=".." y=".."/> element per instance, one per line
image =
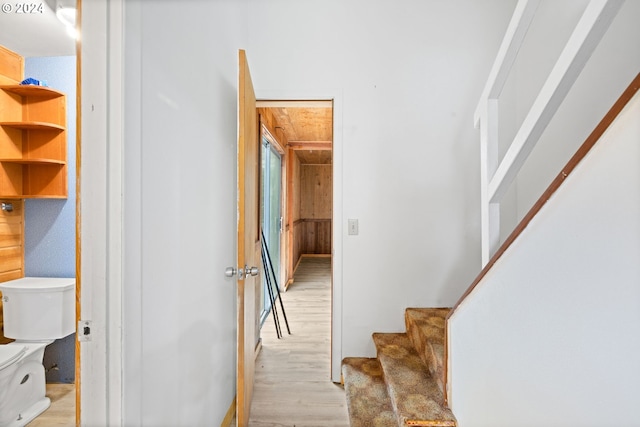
<point x="403" y="385"/>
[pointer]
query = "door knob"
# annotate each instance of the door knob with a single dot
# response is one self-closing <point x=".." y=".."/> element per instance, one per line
<point x="242" y="273"/>
<point x="251" y="271"/>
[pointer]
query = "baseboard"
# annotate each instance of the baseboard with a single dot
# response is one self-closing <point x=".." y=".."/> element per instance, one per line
<point x="258" y="348"/>
<point x="231" y="413"/>
<point x="289" y="283"/>
<point x="307" y="256"/>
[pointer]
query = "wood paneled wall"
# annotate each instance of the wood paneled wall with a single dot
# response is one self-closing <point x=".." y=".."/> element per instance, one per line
<point x="316" y="190"/>
<point x="312" y="230"/>
<point x="295" y="178"/>
<point x="293" y="212"/>
<point x="11" y="66"/>
<point x="313" y="237"/>
<point x="11" y="247"/>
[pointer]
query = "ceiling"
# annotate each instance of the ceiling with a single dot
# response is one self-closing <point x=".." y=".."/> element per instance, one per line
<point x="36" y="34"/>
<point x="308" y="127"/>
<point x="305" y="124"/>
<point x="314" y="157"/>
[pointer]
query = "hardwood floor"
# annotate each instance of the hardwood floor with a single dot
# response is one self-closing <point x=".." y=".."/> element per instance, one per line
<point x="292" y="381"/>
<point x="62" y="412"/>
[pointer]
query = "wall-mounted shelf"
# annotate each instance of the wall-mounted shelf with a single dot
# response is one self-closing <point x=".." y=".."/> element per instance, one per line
<point x="34" y="161"/>
<point x="33" y="91"/>
<point x="33" y="125"/>
<point x="33" y="142"/>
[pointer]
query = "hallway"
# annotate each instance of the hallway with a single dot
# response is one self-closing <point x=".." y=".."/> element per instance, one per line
<point x="292" y="378"/>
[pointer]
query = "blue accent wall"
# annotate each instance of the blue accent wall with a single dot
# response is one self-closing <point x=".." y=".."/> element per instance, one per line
<point x="50" y="240"/>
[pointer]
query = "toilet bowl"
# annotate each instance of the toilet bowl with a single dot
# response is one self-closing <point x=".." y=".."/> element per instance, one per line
<point x="36" y="310"/>
<point x="22" y="383"/>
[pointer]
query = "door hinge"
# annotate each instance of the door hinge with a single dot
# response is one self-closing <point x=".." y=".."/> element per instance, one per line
<point x="84" y="330"/>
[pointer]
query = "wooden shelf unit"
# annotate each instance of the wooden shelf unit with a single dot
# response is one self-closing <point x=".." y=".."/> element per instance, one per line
<point x="33" y="142"/>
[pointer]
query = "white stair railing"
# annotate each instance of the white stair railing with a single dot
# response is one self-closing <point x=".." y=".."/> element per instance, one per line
<point x="497" y="176"/>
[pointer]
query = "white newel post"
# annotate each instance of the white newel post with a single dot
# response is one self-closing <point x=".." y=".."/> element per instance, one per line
<point x="486" y="118"/>
<point x="490" y="212"/>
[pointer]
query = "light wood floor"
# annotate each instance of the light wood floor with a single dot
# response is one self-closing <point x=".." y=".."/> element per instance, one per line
<point x="62" y="412"/>
<point x="293" y="381"/>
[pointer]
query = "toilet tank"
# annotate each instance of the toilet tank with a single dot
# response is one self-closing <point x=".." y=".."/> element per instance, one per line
<point x="39" y="308"/>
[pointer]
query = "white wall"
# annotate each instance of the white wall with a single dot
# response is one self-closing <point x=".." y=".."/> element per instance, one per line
<point x="408" y="75"/>
<point x="180" y="210"/>
<point x="549" y="337"/>
<point x="49" y="232"/>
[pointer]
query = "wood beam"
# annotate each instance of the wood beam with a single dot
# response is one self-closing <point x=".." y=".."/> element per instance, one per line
<point x="310" y="145"/>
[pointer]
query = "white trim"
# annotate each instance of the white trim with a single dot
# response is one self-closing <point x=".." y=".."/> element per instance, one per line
<point x="497" y="178"/>
<point x="271" y="103"/>
<point x="585" y="38"/>
<point x="486" y="118"/>
<point x="514" y="36"/>
<point x="100" y="212"/>
<point x="489" y="212"/>
<point x="115" y="120"/>
<point x="132" y="219"/>
<point x="93" y="189"/>
<point x="336" y="309"/>
<point x="336" y="260"/>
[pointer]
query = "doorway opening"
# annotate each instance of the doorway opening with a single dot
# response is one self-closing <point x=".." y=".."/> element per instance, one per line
<point x="297" y="184"/>
<point x="44" y="219"/>
<point x="304" y="360"/>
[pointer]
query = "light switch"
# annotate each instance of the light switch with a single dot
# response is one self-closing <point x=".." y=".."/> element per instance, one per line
<point x="353" y="227"/>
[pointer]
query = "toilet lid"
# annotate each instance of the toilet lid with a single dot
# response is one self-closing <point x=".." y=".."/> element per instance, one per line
<point x="10" y="353"/>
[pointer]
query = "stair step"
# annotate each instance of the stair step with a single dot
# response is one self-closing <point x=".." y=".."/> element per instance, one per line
<point x="367" y="398"/>
<point x="426" y="330"/>
<point x="415" y="394"/>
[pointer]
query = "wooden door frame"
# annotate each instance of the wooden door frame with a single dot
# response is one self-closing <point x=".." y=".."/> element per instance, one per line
<point x="78" y="228"/>
<point x="263" y="96"/>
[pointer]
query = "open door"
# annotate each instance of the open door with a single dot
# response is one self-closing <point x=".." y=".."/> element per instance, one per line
<point x="248" y="243"/>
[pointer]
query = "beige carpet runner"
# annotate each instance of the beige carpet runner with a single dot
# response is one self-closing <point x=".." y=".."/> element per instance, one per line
<point x="403" y="385"/>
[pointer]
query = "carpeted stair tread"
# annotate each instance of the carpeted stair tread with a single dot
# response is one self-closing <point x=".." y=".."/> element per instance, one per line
<point x="367" y="398"/>
<point x="426" y="330"/>
<point x="415" y="395"/>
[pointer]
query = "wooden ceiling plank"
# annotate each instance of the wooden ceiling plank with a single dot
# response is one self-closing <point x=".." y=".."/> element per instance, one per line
<point x="310" y="145"/>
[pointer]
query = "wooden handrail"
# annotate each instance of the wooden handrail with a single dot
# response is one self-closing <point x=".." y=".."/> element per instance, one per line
<point x="586" y="146"/>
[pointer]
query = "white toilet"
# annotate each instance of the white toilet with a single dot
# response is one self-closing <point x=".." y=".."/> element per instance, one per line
<point x="37" y="311"/>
